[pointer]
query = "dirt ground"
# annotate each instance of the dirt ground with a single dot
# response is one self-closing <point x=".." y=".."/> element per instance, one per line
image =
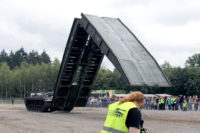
<point x="16" y="119"/>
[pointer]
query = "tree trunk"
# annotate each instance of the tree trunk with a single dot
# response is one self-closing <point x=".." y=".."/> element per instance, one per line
<point x="6" y="89"/>
<point x="24" y="91"/>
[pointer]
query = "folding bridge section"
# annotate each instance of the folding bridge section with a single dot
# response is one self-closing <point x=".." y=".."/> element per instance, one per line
<point x="90" y="39"/>
<point x="80" y="64"/>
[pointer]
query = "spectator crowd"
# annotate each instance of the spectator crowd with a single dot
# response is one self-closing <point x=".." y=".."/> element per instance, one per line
<point x="172" y="103"/>
<point x="185" y="103"/>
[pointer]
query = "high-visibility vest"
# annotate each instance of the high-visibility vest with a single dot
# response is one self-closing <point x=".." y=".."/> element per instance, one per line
<point x="184" y="104"/>
<point x="174" y="100"/>
<point x="162" y="101"/>
<point x="159" y="101"/>
<point x="116" y="118"/>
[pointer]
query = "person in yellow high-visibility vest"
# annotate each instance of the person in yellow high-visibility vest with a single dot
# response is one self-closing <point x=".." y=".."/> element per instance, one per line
<point x="185" y="105"/>
<point x="174" y="103"/>
<point x="162" y="100"/>
<point x="159" y="103"/>
<point x="124" y="116"/>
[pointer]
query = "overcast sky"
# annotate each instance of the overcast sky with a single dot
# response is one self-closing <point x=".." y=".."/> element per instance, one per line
<point x="169" y="29"/>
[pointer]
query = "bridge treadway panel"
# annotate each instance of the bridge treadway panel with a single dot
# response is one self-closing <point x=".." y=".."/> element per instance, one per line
<point x="125" y="51"/>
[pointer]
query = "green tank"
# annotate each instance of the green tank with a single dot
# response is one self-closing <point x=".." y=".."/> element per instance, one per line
<point x="40" y="102"/>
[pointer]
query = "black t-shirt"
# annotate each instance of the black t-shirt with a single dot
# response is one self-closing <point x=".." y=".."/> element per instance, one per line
<point x="133" y="118"/>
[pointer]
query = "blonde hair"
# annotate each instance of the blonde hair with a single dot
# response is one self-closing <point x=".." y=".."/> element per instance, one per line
<point x="136" y="96"/>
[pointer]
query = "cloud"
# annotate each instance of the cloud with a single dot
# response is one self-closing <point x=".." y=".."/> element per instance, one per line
<point x="168" y="29"/>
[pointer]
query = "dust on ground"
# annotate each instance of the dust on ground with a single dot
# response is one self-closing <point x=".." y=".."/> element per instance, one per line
<point x="16" y="119"/>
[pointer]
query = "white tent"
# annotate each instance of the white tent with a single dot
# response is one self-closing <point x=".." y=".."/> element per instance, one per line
<point x="120" y="95"/>
<point x="163" y="95"/>
<point x="149" y="95"/>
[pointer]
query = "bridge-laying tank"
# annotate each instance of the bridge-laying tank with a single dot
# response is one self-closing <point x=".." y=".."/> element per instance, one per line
<point x="39" y="102"/>
<point x="91" y="38"/>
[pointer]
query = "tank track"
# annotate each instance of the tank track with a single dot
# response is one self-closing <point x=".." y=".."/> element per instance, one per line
<point x="38" y="105"/>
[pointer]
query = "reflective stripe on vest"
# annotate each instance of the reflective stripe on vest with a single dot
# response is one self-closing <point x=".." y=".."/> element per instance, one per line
<point x="116" y="117"/>
<point x="109" y="129"/>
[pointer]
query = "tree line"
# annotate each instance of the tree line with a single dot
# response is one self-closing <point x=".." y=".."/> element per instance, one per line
<point x="27" y="78"/>
<point x="22" y="73"/>
<point x="184" y="80"/>
<point x="14" y="59"/>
